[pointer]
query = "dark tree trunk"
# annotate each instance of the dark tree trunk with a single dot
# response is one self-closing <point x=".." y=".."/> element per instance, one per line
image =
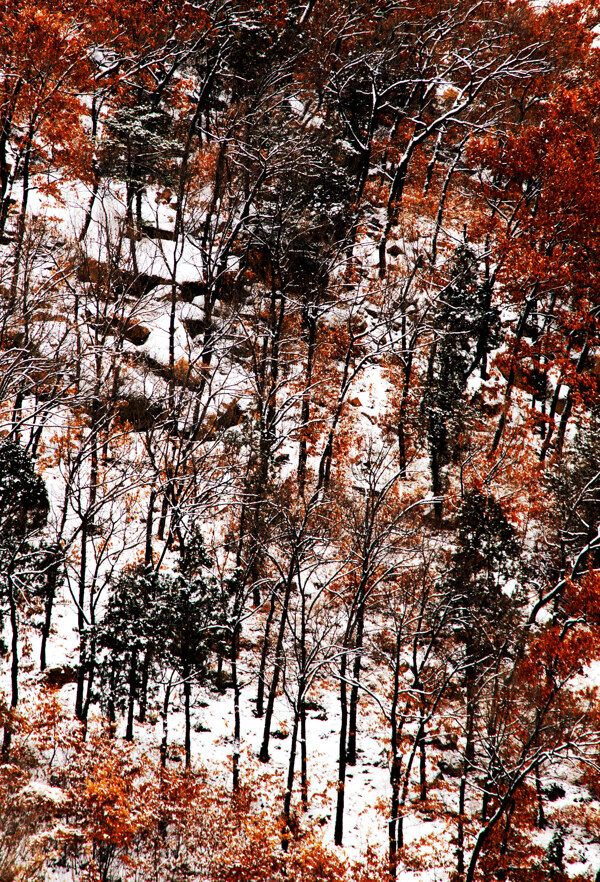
<point x="162" y="521"/>
<point x="87" y="522"/>
<point x="131" y="699"/>
<point x="468" y="758"/>
<point x="260" y="689"/>
<point x="143" y="699"/>
<point x="287" y="802"/>
<point x="310" y="324"/>
<point x="422" y="747"/>
<point x="22" y="222"/>
<point x="394" y="767"/>
<point x="237" y="726"/>
<point x="264" y="750"/>
<point x="187" y="694"/>
<point x="91" y="670"/>
<point x="114" y="676"/>
<point x="405" y="784"/>
<point x="165" y="725"/>
<point x="339" y="809"/>
<point x="51" y="579"/>
<point x="422" y="763"/>
<point x="436" y="482"/>
<point x="5" y="168"/>
<point x="82" y="669"/>
<point x="149" y="519"/>
<point x="303" y="758"/>
<point x="407" y="359"/>
<point x="354" y="692"/>
<point x="94" y="115"/>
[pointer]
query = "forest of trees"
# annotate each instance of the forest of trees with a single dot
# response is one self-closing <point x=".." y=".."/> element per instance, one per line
<point x="299" y="406"/>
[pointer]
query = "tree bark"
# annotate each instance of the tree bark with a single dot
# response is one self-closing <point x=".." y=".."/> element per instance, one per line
<point x="51" y="580"/>
<point x="264" y="750"/>
<point x="187" y="690"/>
<point x="81" y="671"/>
<point x="393" y="842"/>
<point x="165" y="725"/>
<point x="131" y="699"/>
<point x="237" y="734"/>
<point x="287" y="803"/>
<point x="339" y="809"/>
<point x="260" y="689"/>
<point x="303" y="758"/>
<point x="354" y="692"/>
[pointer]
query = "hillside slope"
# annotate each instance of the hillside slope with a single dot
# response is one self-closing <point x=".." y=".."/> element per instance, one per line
<point x="299" y="455"/>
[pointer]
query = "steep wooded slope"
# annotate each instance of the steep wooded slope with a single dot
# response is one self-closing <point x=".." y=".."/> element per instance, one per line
<point x="299" y="383"/>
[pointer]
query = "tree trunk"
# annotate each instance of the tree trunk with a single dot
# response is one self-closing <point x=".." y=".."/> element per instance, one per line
<point x="81" y="671"/>
<point x="162" y="521"/>
<point x="469" y="756"/>
<point x="131" y="699"/>
<point x="422" y="744"/>
<point x="22" y="222"/>
<point x="460" y="836"/>
<point x="187" y="691"/>
<point x="310" y="325"/>
<point x="51" y="579"/>
<point x="264" y="750"/>
<point x="237" y="734"/>
<point x="6" y="177"/>
<point x="303" y="758"/>
<point x="443" y="197"/>
<point x="405" y="784"/>
<point x="149" y="519"/>
<point x="94" y="115"/>
<point x="436" y="482"/>
<point x="287" y="802"/>
<point x="91" y="669"/>
<point x="394" y="766"/>
<point x="354" y="692"/>
<point x="260" y="689"/>
<point x="143" y="699"/>
<point x="165" y="725"/>
<point x="339" y="810"/>
<point x="113" y="678"/>
<point x="422" y="760"/>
